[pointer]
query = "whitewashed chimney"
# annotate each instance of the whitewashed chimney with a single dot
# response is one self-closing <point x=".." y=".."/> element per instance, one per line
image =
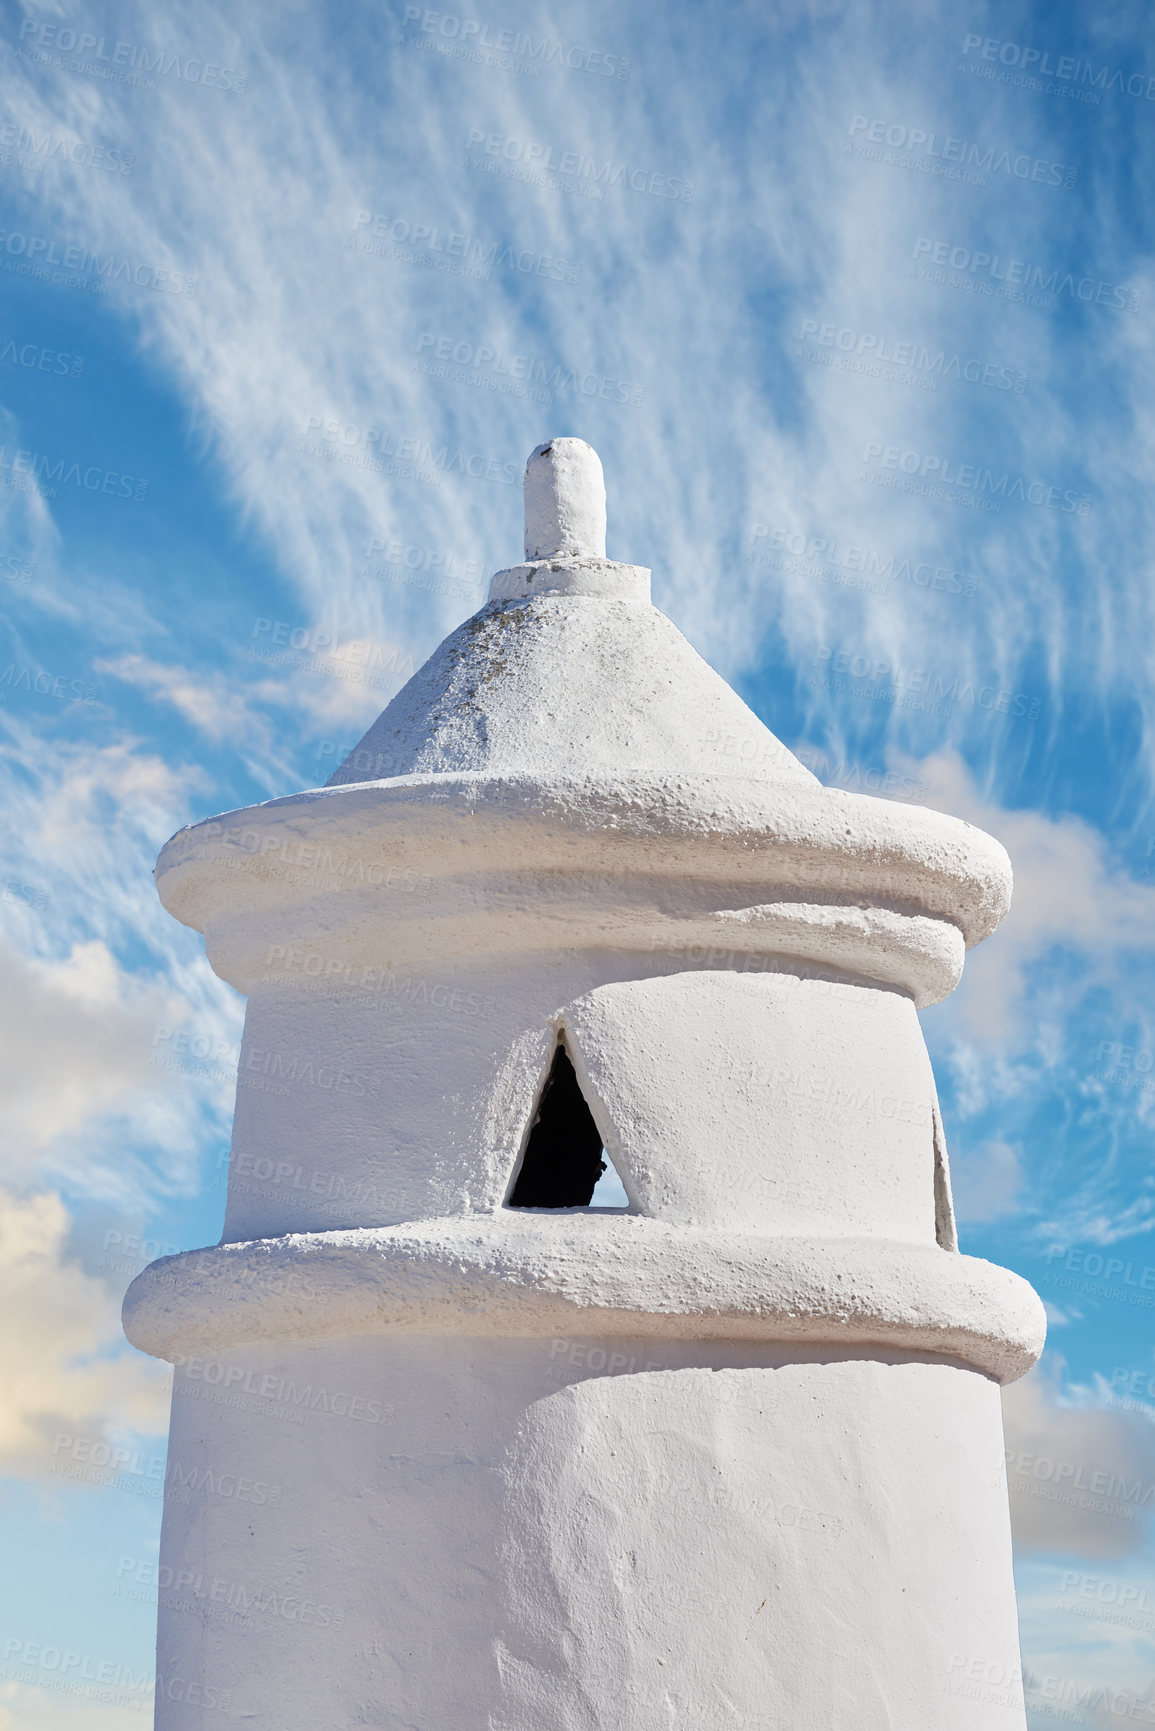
<point x="452" y="1448"/>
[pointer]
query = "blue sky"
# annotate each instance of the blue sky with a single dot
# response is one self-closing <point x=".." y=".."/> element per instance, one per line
<point x="855" y="302"/>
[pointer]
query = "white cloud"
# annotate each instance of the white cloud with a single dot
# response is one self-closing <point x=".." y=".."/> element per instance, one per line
<point x="26" y="527"/>
<point x="292" y="328"/>
<point x="1081" y="1480"/>
<point x="321" y="679"/>
<point x="23" y="1705"/>
<point x="1086" y="1636"/>
<point x="83" y="1044"/>
<point x="63" y="1362"/>
<point x="75" y="1038"/>
<point x="1068" y="892"/>
<point x="214" y="708"/>
<point x="96" y="969"/>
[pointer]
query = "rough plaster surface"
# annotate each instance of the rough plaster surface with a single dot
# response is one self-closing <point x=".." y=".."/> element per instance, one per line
<point x="544" y="1274"/>
<point x="429" y="866"/>
<point x="602" y="579"/>
<point x="567" y="681"/>
<point x="729" y="1456"/>
<point x="347" y="1114"/>
<point x="771" y="1144"/>
<point x="586" y="1533"/>
<point x="820" y="841"/>
<point x="565" y="502"/>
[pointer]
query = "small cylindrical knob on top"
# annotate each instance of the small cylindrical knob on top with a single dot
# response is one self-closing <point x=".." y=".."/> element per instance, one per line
<point x="565" y="502"/>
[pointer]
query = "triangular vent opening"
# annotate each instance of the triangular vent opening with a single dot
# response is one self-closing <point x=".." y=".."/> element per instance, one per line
<point x="565" y="1165"/>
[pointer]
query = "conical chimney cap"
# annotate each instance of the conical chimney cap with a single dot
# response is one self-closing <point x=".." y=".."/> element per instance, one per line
<point x="568" y="669"/>
<point x="566" y="771"/>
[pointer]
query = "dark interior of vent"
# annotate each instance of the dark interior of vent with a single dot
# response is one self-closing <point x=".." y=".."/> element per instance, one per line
<point x="563" y="1159"/>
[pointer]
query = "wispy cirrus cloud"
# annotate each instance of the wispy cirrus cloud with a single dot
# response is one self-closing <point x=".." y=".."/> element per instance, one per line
<point x="94" y="968"/>
<point x="330" y="435"/>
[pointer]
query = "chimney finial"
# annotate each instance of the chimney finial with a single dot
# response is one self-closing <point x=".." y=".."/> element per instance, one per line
<point x="565" y="502"/>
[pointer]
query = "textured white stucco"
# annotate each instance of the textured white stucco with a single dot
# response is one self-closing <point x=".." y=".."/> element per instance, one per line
<point x="588" y="1534"/>
<point x="623" y="1275"/>
<point x="730" y="1456"/>
<point x="565" y="502"/>
<point x="426" y="867"/>
<point x="346" y="1116"/>
<point x="569" y="683"/>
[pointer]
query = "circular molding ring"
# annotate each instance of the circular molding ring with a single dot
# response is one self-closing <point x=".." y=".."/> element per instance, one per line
<point x="530" y="1273"/>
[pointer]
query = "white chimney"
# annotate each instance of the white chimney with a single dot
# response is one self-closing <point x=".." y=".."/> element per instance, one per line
<point x="452" y="1449"/>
